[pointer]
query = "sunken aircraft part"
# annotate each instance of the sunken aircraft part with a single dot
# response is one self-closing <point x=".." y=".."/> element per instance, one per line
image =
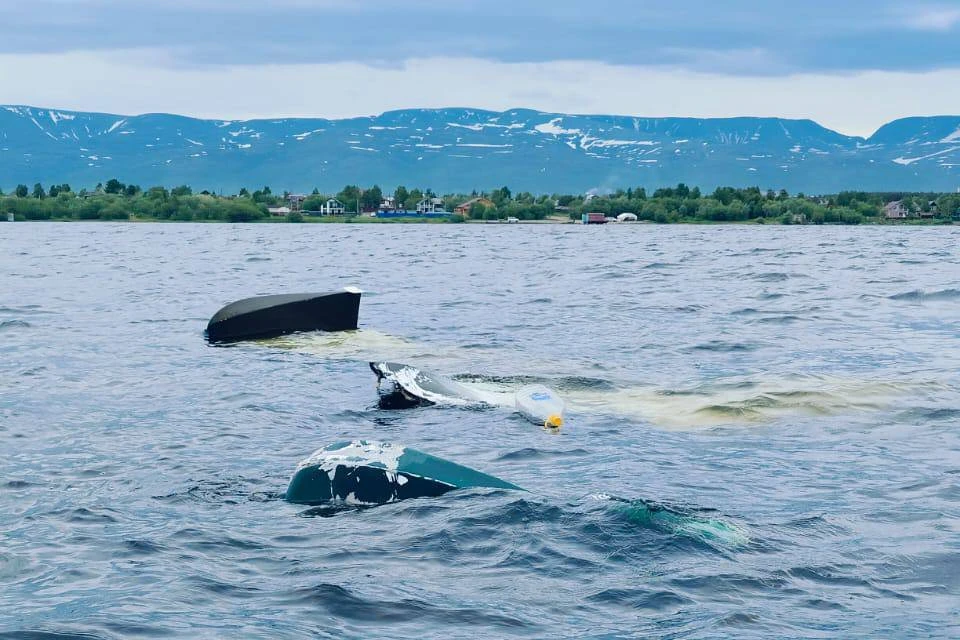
<point x="401" y="386"/>
<point x="277" y="315"/>
<point x="370" y="473"/>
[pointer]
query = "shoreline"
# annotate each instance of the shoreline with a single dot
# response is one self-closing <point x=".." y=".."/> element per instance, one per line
<point x="758" y="222"/>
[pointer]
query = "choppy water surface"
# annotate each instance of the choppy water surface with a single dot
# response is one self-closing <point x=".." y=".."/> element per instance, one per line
<point x="792" y="392"/>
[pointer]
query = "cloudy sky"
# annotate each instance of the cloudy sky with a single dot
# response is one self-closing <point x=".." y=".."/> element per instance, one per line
<point x="849" y="64"/>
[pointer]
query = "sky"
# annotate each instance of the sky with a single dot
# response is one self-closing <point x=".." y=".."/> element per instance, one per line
<point x="851" y="65"/>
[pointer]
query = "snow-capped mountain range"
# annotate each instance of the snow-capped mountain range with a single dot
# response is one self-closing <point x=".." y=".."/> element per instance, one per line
<point x="466" y="149"/>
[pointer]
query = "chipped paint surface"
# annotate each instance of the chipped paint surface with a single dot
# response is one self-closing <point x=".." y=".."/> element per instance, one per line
<point x="383" y="455"/>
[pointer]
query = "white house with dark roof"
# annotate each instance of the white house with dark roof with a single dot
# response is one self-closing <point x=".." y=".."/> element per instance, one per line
<point x="332" y="207"/>
<point x="430" y="205"/>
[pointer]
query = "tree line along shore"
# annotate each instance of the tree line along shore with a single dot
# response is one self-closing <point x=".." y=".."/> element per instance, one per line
<point x="680" y="204"/>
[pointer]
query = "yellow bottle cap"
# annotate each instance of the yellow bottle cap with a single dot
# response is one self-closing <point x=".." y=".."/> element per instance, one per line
<point x="554" y="421"/>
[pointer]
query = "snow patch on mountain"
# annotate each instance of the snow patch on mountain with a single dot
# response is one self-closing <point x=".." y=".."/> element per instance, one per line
<point x="553" y="127"/>
<point x="909" y="161"/>
<point x="57" y="117"/>
<point x="953" y="137"/>
<point x="480" y="126"/>
<point x="586" y="142"/>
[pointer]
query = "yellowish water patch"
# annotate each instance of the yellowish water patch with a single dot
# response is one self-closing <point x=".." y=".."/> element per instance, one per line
<point x="745" y="401"/>
<point x="362" y="344"/>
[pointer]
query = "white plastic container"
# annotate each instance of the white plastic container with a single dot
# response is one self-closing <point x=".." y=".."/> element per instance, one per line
<point x="540" y="405"/>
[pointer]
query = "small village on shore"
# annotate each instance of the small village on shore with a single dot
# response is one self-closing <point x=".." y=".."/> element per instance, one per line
<point x="115" y="200"/>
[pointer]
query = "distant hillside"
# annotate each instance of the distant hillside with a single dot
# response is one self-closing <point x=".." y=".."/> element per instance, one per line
<point x="464" y="149"/>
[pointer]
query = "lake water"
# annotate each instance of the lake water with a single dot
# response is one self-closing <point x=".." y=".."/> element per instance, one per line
<point x="790" y="392"/>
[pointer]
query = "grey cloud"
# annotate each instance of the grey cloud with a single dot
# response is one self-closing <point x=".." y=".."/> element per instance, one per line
<point x="736" y="36"/>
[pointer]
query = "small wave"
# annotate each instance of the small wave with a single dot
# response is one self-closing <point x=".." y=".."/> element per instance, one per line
<point x="724" y="412"/>
<point x="26" y="310"/>
<point x="747" y="311"/>
<point x="82" y="515"/>
<point x="232" y="491"/>
<point x="919" y="295"/>
<point x="168" y="320"/>
<point x="142" y="547"/>
<point x="572" y="383"/>
<point x="931" y="414"/>
<point x="532" y="453"/>
<point x="18" y="484"/>
<point x="226" y="589"/>
<point x="784" y="319"/>
<point x="6" y="325"/>
<point x="330" y="510"/>
<point x="723" y="347"/>
<point x="772" y="276"/>
<point x="348" y="604"/>
<point x="840" y="576"/>
<point x="642" y="599"/>
<point x="739" y="619"/>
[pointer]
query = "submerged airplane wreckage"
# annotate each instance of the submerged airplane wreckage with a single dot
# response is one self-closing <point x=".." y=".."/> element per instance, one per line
<point x="363" y="473"/>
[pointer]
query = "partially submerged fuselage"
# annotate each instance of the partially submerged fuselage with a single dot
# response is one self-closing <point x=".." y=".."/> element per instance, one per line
<point x="369" y="473"/>
<point x="277" y="315"/>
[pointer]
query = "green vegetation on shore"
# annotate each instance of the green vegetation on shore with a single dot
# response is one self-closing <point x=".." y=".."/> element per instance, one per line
<point x="680" y="204"/>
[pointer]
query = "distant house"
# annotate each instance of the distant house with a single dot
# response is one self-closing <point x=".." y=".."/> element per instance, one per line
<point x="332" y="207"/>
<point x="430" y="205"/>
<point x="464" y="209"/>
<point x="278" y="211"/>
<point x="895" y="210"/>
<point x="295" y="201"/>
<point x="389" y="204"/>
<point x="932" y="210"/>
